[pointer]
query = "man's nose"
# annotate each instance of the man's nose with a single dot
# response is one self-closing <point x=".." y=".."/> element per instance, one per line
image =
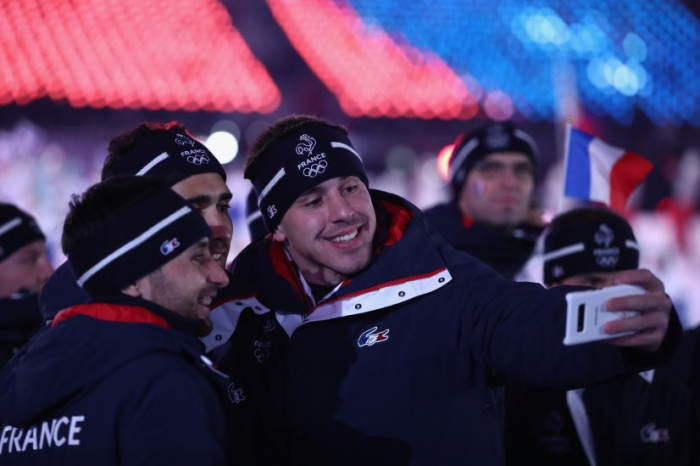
<point x="217" y="276"/>
<point x="339" y="208"/>
<point x="509" y="178"/>
<point x="221" y="227"/>
<point x="45" y="269"/>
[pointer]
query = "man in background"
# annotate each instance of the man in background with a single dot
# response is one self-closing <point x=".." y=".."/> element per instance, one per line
<point x="645" y="419"/>
<point x="24" y="268"/>
<point x="492" y="180"/>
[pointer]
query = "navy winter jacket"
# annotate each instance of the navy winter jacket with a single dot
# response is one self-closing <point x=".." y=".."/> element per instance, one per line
<point x="506" y="250"/>
<point x="19" y="320"/>
<point x="400" y="365"/>
<point x="61" y="291"/>
<point x="112" y="383"/>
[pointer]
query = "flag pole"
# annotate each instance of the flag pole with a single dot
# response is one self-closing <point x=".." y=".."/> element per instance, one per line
<point x="567" y="137"/>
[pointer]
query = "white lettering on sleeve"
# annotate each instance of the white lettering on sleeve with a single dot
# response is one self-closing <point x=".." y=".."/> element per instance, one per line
<point x="36" y="437"/>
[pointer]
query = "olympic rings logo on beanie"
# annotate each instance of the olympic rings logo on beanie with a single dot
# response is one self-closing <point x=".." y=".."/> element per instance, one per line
<point x="607" y="244"/>
<point x="301" y="160"/>
<point x="135" y="242"/>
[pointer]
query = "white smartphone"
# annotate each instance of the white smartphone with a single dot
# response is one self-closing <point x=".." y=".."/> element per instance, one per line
<point x="587" y="313"/>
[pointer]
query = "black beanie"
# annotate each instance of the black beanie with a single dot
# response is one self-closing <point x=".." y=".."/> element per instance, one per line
<point x="136" y="241"/>
<point x="17" y="229"/>
<point x="253" y="217"/>
<point x="302" y="159"/>
<point x="173" y="153"/>
<point x="588" y="240"/>
<point x="473" y="146"/>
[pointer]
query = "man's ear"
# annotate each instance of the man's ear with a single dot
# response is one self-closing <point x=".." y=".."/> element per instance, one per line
<point x="133" y="290"/>
<point x="279" y="234"/>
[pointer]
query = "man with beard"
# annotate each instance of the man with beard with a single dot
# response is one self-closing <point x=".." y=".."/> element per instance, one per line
<point x="359" y="336"/>
<point x="122" y="379"/>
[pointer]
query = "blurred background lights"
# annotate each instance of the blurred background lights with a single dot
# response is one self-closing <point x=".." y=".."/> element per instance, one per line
<point x="510" y="51"/>
<point x="224" y="145"/>
<point x="451" y="59"/>
<point x="443" y="161"/>
<point x="635" y="47"/>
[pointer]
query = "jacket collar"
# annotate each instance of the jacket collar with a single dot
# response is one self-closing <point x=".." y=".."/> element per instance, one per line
<point x="126" y="309"/>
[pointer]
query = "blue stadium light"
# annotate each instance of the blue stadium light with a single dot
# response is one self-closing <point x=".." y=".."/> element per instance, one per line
<point x="625" y="56"/>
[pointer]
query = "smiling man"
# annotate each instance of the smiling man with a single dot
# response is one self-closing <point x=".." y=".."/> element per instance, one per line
<point x="492" y="178"/>
<point x="122" y="379"/>
<point x="356" y="335"/>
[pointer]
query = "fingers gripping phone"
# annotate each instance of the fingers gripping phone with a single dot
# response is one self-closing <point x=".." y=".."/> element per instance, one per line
<point x="587" y="313"/>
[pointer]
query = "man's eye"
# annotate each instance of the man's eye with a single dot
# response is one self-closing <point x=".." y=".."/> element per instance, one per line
<point x="313" y="202"/>
<point x="351" y="189"/>
<point x="523" y="170"/>
<point x="490" y="168"/>
<point x="223" y="208"/>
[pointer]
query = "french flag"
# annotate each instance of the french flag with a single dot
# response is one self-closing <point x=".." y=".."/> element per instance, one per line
<point x="599" y="172"/>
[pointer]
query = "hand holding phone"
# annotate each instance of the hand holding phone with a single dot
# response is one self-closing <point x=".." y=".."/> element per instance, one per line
<point x="587" y="313"/>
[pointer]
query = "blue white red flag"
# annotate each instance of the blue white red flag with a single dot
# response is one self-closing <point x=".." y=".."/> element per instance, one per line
<point x="599" y="172"/>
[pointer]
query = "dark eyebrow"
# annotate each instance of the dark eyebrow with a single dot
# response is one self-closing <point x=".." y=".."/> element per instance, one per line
<point x="201" y="199"/>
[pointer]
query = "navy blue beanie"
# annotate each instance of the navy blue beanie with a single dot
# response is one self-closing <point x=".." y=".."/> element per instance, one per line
<point x="304" y="158"/>
<point x="17" y="229"/>
<point x="588" y="240"/>
<point x="253" y="217"/>
<point x="135" y="242"/>
<point x="473" y="146"/>
<point x="173" y="153"/>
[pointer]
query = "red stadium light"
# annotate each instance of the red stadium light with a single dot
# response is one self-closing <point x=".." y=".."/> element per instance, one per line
<point x="128" y="54"/>
<point x="367" y="70"/>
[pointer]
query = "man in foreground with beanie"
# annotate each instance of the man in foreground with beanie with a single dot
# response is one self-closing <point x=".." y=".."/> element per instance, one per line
<point x="361" y="337"/>
<point x="648" y="418"/>
<point x="191" y="170"/>
<point x="492" y="178"/>
<point x="24" y="268"/>
<point x="122" y="379"/>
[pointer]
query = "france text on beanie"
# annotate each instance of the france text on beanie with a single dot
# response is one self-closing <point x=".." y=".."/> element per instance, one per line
<point x="173" y="153"/>
<point x="303" y="159"/>
<point x="597" y="241"/>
